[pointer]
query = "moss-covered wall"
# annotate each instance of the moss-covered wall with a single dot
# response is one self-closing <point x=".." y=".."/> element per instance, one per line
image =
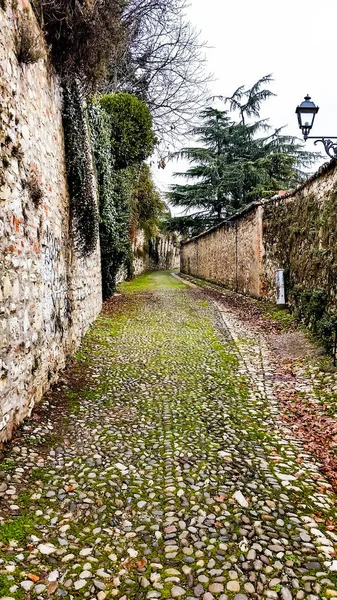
<point x="300" y="235"/>
<point x="296" y="232"/>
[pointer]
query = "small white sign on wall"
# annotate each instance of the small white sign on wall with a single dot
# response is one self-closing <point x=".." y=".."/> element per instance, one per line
<point x="280" y="291"/>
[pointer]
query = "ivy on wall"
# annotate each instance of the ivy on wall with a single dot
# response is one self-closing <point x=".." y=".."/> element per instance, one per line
<point x="147" y="206"/>
<point x="121" y="137"/>
<point x="114" y="192"/>
<point x="301" y="236"/>
<point x="83" y="205"/>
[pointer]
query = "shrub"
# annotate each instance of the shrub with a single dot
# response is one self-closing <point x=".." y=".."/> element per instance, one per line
<point x="29" y="44"/>
<point x="132" y="138"/>
<point x="326" y="332"/>
<point x="82" y="36"/>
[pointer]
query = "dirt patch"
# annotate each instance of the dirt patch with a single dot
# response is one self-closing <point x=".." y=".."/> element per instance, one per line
<point x="258" y="313"/>
<point x="292" y="345"/>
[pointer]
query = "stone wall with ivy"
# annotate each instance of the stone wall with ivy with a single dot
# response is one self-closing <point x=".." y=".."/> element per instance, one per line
<point x="296" y="232"/>
<point x="300" y="236"/>
<point x="50" y="285"/>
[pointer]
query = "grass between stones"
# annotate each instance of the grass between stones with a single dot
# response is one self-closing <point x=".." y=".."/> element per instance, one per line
<point x="171" y="477"/>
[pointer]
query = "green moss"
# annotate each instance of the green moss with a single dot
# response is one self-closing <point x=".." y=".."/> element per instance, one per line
<point x="158" y="280"/>
<point x="284" y="317"/>
<point x="8" y="465"/>
<point x="5" y="586"/>
<point x="16" y="529"/>
<point x="307" y="227"/>
<point x="24" y="499"/>
<point x="39" y="474"/>
<point x="80" y="357"/>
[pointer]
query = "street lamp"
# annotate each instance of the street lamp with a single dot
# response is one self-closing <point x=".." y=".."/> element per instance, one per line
<point x="306" y="113"/>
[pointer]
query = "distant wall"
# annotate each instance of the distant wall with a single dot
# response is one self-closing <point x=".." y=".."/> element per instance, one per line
<point x="296" y="232"/>
<point x="229" y="254"/>
<point x="49" y="294"/>
<point x="160" y="253"/>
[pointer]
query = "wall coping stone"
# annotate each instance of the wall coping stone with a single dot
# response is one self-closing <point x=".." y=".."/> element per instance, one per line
<point x="323" y="169"/>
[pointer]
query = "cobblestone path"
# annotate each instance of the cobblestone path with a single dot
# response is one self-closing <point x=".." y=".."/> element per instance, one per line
<point x="168" y="475"/>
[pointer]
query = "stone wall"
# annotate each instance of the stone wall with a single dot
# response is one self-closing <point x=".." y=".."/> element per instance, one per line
<point x="49" y="295"/>
<point x="300" y="236"/>
<point x="296" y="232"/>
<point x="161" y="253"/>
<point x="229" y="254"/>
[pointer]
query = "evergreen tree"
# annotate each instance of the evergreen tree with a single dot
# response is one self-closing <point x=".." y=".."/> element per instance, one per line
<point x="236" y="161"/>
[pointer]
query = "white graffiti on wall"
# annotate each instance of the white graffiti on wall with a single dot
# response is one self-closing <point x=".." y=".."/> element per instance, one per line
<point x="54" y="300"/>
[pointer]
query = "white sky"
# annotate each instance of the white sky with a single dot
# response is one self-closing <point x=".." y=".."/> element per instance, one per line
<point x="295" y="40"/>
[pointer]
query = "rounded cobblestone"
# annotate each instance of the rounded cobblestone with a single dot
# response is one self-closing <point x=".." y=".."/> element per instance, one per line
<point x="167" y="472"/>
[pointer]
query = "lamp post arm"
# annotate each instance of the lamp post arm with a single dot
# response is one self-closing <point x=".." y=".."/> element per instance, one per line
<point x="329" y="146"/>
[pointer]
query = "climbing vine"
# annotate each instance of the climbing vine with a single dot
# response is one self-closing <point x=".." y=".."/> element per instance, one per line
<point x="83" y="205"/>
<point x="114" y="191"/>
<point x="301" y="236"/>
<point x="117" y="158"/>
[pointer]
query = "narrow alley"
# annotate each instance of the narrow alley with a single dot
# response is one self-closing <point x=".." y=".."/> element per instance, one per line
<point x="158" y="467"/>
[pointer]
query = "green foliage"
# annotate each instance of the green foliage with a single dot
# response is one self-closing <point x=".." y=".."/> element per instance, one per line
<point x="188" y="225"/>
<point x="307" y="228"/>
<point x="132" y="138"/>
<point x="147" y="205"/>
<point x="121" y="138"/>
<point x="16" y="529"/>
<point x="233" y="165"/>
<point x="284" y="317"/>
<point x="326" y="332"/>
<point x="83" y="208"/>
<point x="312" y="308"/>
<point x="310" y="305"/>
<point x="114" y="191"/>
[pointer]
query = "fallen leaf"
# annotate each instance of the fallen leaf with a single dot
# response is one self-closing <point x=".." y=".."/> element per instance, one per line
<point x="127" y="564"/>
<point x="141" y="563"/>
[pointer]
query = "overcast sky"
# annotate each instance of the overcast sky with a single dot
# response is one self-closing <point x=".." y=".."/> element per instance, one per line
<point x="295" y="40"/>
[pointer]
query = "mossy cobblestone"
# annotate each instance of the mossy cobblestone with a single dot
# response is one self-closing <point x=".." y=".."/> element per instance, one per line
<point x="173" y="476"/>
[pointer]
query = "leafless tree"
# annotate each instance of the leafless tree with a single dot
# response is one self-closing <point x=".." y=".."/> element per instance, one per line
<point x="145" y="47"/>
<point x="163" y="63"/>
<point x="82" y="35"/>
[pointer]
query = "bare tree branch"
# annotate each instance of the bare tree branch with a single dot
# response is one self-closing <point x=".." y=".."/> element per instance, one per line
<point x="163" y="64"/>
